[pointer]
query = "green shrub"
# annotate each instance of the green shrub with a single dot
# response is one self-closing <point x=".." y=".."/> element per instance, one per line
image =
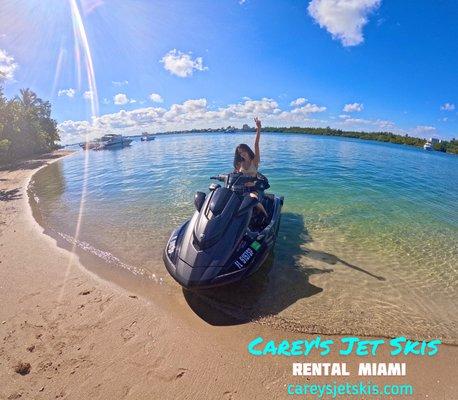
<point x="26" y="126"/>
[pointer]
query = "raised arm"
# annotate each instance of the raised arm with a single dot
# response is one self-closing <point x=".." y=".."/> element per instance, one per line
<point x="257" y="153"/>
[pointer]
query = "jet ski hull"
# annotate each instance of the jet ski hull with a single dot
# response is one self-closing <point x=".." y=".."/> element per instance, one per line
<point x="220" y="244"/>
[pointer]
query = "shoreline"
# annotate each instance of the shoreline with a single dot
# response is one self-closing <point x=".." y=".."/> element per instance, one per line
<point x="304" y="300"/>
<point x="358" y="135"/>
<point x="140" y="282"/>
<point x="85" y="337"/>
<point x="373" y="141"/>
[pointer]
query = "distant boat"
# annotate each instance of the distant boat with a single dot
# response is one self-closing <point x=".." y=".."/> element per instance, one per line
<point x="428" y="146"/>
<point x="146" y="137"/>
<point x="110" y="141"/>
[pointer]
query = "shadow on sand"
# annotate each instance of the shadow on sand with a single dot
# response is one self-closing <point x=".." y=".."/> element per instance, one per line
<point x="23" y="165"/>
<point x="31" y="163"/>
<point x="281" y="281"/>
<point x="9" y="195"/>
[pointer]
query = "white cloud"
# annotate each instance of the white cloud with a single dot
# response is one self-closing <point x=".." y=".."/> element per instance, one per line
<point x="67" y="92"/>
<point x="120" y="99"/>
<point x="424" y="129"/>
<point x="242" y="2"/>
<point x="192" y="113"/>
<point x="353" y="107"/>
<point x="343" y="19"/>
<point x="182" y="64"/>
<point x="120" y="83"/>
<point x="88" y="95"/>
<point x="348" y="122"/>
<point x="7" y="66"/>
<point x="387" y="125"/>
<point x="75" y="131"/>
<point x="298" y="102"/>
<point x="156" y="98"/>
<point x="196" y="113"/>
<point x="448" y="107"/>
<point x="308" y="108"/>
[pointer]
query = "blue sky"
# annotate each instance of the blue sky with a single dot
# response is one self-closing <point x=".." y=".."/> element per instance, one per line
<point x="161" y="65"/>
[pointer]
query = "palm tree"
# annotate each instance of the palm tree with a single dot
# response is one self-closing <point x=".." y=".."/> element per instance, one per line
<point x="27" y="98"/>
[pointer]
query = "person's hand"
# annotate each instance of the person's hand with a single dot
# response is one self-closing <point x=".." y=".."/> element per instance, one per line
<point x="258" y="122"/>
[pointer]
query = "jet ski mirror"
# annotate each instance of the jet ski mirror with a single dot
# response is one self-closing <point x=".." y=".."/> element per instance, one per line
<point x="199" y="199"/>
<point x="214" y="186"/>
<point x="262" y="183"/>
<point x="248" y="203"/>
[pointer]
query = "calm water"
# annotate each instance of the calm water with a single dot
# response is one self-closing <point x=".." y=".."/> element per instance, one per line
<point x="368" y="242"/>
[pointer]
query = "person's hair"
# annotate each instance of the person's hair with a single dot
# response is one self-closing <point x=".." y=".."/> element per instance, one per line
<point x="238" y="158"/>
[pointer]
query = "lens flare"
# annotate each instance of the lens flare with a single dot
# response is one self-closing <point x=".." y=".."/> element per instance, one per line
<point x="59" y="65"/>
<point x="82" y="49"/>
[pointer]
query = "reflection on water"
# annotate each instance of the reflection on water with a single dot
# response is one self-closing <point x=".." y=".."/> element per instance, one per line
<point x="367" y="243"/>
<point x="55" y="183"/>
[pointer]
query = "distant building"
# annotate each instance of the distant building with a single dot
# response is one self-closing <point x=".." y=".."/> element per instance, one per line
<point x="434" y="140"/>
<point x="245" y="127"/>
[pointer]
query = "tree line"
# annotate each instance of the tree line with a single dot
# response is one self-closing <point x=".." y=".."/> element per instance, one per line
<point x="26" y="126"/>
<point x="388" y="137"/>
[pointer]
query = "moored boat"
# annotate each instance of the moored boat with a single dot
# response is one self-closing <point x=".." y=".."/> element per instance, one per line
<point x="428" y="146"/>
<point x="146" y="137"/>
<point x="109" y="141"/>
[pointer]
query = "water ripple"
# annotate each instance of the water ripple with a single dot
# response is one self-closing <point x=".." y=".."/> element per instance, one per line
<point x="368" y="240"/>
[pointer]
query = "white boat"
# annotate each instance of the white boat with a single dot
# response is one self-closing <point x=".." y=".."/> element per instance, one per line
<point x="109" y="141"/>
<point x="146" y="137"/>
<point x="428" y="146"/>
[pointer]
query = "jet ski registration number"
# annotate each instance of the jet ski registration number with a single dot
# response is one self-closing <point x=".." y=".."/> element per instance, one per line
<point x="247" y="255"/>
<point x="244" y="258"/>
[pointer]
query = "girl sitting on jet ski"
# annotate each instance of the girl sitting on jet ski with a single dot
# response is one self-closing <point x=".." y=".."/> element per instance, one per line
<point x="247" y="162"/>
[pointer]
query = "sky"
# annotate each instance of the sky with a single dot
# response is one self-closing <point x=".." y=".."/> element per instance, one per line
<point x="128" y="66"/>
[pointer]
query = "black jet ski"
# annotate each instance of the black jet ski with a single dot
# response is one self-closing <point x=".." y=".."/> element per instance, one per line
<point x="227" y="238"/>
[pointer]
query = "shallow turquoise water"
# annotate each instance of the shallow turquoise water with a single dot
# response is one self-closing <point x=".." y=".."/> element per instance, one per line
<point x="368" y="241"/>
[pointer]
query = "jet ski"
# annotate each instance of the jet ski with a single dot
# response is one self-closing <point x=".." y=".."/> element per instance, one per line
<point x="227" y="239"/>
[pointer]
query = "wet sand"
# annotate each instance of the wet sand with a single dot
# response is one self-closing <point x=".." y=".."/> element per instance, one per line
<point x="67" y="333"/>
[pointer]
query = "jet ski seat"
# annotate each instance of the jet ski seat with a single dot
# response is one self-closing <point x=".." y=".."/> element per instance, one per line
<point x="259" y="221"/>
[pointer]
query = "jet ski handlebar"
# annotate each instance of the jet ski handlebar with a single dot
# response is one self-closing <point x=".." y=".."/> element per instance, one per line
<point x="220" y="178"/>
<point x="235" y="181"/>
<point x="236" y="175"/>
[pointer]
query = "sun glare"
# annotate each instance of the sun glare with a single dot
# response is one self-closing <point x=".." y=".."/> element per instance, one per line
<point x="83" y="56"/>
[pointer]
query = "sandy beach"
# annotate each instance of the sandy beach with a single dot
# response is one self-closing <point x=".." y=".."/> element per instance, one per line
<point x="67" y="333"/>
